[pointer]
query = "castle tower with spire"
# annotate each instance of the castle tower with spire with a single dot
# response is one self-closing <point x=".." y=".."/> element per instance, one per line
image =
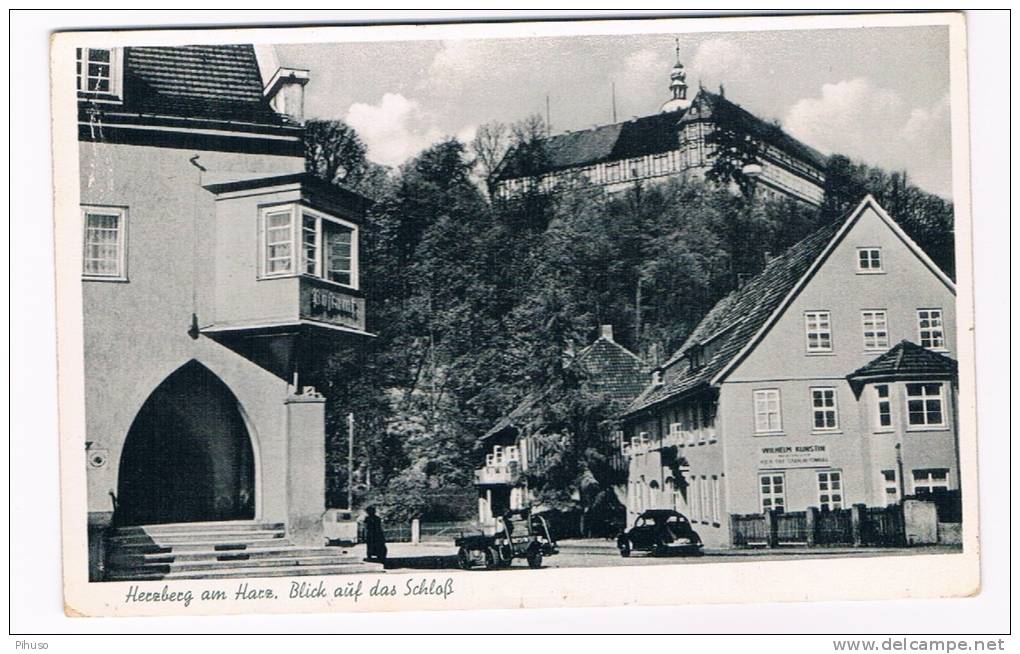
<point x="677" y="86"/>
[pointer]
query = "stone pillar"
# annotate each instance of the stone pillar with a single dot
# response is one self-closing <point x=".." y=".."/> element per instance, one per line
<point x="811" y="519"/>
<point x="306" y="467"/>
<point x="415" y="531"/>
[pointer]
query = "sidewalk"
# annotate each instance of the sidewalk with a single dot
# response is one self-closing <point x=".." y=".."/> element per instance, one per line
<point x="600" y="545"/>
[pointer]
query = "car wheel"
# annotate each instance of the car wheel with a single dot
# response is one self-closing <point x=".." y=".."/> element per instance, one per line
<point x="535" y="559"/>
<point x="463" y="559"/>
<point x="624" y="549"/>
<point x="492" y="559"/>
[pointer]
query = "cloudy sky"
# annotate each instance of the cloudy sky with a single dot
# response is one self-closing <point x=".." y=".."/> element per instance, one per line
<point x="876" y="94"/>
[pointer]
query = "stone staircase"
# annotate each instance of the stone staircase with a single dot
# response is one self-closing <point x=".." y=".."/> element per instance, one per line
<point x="219" y="550"/>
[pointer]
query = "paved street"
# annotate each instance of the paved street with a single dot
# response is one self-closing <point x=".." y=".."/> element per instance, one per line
<point x="583" y="554"/>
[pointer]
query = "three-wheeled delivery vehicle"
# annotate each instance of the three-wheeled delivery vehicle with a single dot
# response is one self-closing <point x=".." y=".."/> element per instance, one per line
<point x="519" y="535"/>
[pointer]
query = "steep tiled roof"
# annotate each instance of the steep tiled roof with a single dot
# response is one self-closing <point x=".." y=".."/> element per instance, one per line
<point x="906" y="360"/>
<point x="611" y="369"/>
<point x="646" y="135"/>
<point x="735" y="319"/>
<point x="207" y="81"/>
<point x="724" y="111"/>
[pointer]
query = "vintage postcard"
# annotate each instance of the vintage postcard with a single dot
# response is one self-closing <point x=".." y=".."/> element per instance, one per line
<point x="515" y="314"/>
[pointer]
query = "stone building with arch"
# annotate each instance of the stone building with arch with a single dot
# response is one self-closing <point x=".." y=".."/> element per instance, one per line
<point x="215" y="276"/>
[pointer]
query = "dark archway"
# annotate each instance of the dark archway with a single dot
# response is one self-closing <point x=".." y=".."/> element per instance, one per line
<point x="188" y="456"/>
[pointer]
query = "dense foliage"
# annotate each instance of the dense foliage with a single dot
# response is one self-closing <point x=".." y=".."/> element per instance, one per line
<point x="477" y="303"/>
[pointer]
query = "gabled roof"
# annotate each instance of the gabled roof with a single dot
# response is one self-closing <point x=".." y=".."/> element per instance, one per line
<point x="611" y="369"/>
<point x="647" y="135"/>
<point x="735" y="319"/>
<point x="217" y="82"/>
<point x="905" y="360"/>
<point x="740" y="320"/>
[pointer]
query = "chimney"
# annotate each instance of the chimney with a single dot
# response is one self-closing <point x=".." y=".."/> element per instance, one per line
<point x="606" y="332"/>
<point x="286" y="93"/>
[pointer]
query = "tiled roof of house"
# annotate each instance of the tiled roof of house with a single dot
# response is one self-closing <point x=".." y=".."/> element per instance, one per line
<point x="220" y="82"/>
<point x="906" y="360"/>
<point x="611" y="369"/>
<point x="736" y="318"/>
<point x="646" y="135"/>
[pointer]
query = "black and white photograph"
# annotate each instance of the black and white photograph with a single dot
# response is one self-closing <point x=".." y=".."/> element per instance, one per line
<point x="368" y="318"/>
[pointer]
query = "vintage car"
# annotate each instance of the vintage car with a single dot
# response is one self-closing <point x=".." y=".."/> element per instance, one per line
<point x="518" y="534"/>
<point x="661" y="532"/>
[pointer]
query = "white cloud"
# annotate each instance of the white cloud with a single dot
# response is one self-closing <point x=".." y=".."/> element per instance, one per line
<point x="394" y="130"/>
<point x="879" y="126"/>
<point x="718" y="61"/>
<point x="461" y="64"/>
<point x="643" y="83"/>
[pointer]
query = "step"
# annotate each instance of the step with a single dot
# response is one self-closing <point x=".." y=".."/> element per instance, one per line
<point x="354" y="567"/>
<point x="198" y="546"/>
<point x="215" y="538"/>
<point x="132" y="559"/>
<point x="197" y="527"/>
<point x="278" y="562"/>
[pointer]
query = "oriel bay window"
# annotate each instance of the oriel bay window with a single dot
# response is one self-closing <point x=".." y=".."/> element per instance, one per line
<point x="298" y="240"/>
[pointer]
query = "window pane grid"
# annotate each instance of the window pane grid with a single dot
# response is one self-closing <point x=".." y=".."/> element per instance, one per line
<point x="103" y="244"/>
<point x="94" y="69"/>
<point x="830" y="490"/>
<point x="819" y="331"/>
<point x="876" y="330"/>
<point x="773" y="495"/>
<point x="924" y="405"/>
<point x="823" y="402"/>
<point x="884" y="406"/>
<point x="767" y="411"/>
<point x="929" y="327"/>
<point x="869" y="259"/>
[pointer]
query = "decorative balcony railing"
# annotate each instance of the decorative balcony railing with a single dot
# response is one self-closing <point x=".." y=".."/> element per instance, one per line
<point x="498" y="474"/>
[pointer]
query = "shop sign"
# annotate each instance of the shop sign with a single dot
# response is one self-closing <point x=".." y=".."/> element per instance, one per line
<point x="793" y="456"/>
<point x="328" y="305"/>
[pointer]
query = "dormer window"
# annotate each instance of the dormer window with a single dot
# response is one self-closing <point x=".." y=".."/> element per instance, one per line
<point x="297" y="240"/>
<point x="99" y="72"/>
<point x="696" y="357"/>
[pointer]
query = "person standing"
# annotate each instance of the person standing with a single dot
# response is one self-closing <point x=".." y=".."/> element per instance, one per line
<point x="375" y="539"/>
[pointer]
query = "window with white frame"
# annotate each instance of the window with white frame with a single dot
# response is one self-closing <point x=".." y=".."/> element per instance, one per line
<point x="929" y="329"/>
<point x="104" y="243"/>
<point x="823" y="405"/>
<point x="773" y="491"/>
<point x="327" y="246"/>
<point x="818" y="328"/>
<point x="98" y="71"/>
<point x="925" y="405"/>
<point x="891" y="487"/>
<point x="883" y="407"/>
<point x="876" y="329"/>
<point x="830" y="490"/>
<point x="869" y="260"/>
<point x="930" y="481"/>
<point x="767" y="413"/>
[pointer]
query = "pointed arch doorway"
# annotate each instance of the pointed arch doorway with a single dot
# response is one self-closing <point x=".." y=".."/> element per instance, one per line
<point x="188" y="456"/>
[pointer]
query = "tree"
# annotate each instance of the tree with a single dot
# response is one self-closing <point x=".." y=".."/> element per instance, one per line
<point x="334" y="152"/>
<point x="489" y="147"/>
